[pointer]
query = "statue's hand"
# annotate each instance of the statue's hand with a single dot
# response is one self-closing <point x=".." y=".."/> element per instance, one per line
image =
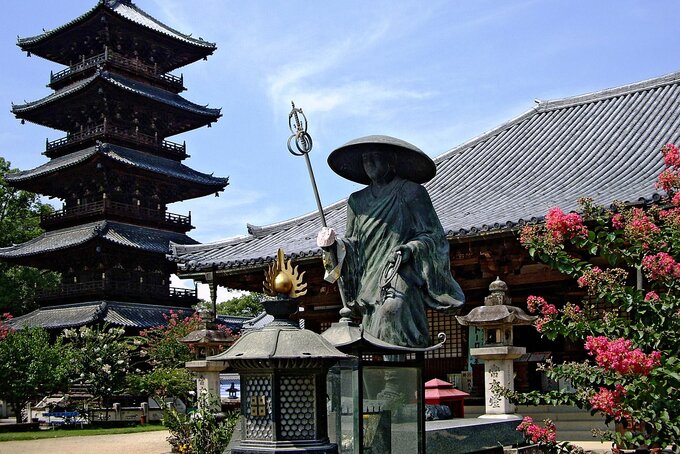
<point x="325" y="238"/>
<point x="402" y="250"/>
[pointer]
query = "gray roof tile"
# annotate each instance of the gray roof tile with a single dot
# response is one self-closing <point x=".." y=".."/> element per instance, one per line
<point x="78" y="314"/>
<point x="147" y="91"/>
<point x="603" y="145"/>
<point x="143" y="238"/>
<point x="127" y="156"/>
<point x="128" y="11"/>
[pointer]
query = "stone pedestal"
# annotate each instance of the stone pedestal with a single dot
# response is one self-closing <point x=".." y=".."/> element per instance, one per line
<point x="208" y="377"/>
<point x="498" y="370"/>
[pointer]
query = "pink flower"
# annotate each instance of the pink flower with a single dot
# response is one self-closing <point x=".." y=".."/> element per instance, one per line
<point x="619" y="355"/>
<point x="561" y="225"/>
<point x="651" y="296"/>
<point x="617" y="221"/>
<point x="661" y="266"/>
<point x="668" y="180"/>
<point x="609" y="402"/>
<point x="676" y="199"/>
<point x="536" y="433"/>
<point x="671" y="155"/>
<point x="534" y="303"/>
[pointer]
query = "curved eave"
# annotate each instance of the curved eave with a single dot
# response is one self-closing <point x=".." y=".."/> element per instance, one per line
<point x="129" y="315"/>
<point x="47" y="44"/>
<point x="135" y="237"/>
<point x="39" y="111"/>
<point x="191" y="183"/>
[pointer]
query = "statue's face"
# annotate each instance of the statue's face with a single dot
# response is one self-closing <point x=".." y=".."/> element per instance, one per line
<point x="376" y="165"/>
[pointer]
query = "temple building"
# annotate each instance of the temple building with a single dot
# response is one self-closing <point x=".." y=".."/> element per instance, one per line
<point x="604" y="145"/>
<point x="115" y="170"/>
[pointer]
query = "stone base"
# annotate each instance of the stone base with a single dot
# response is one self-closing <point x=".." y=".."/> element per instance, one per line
<point x="473" y="435"/>
<point x="287" y="447"/>
<point x="511" y="417"/>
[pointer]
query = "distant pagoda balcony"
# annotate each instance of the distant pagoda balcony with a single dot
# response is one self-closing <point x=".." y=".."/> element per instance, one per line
<point x="119" y="289"/>
<point x="116" y="134"/>
<point x="107" y="209"/>
<point x="109" y="58"/>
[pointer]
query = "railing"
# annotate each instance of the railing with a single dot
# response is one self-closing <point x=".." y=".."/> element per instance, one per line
<point x="127" y="63"/>
<point x="117" y="209"/>
<point x="116" y="132"/>
<point x="118" y="288"/>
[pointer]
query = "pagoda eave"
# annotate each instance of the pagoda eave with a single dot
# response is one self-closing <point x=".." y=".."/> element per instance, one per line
<point x="139" y="238"/>
<point x="119" y="97"/>
<point x="49" y="178"/>
<point x="123" y="21"/>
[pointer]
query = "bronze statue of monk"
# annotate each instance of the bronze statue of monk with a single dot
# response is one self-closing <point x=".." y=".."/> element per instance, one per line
<point x="394" y="258"/>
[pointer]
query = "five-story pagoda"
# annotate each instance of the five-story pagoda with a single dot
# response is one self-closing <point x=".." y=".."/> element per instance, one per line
<point x="115" y="170"/>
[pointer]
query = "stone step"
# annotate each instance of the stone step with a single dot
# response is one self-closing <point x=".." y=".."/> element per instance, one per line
<point x="572" y="423"/>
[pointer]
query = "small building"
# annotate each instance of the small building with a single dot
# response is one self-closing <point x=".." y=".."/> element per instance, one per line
<point x="604" y="145"/>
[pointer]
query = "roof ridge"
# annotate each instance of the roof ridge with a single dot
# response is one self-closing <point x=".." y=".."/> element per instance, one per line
<point x="485" y="135"/>
<point x="611" y="92"/>
<point x="174" y="247"/>
<point x="569" y="101"/>
<point x="131" y="4"/>
<point x="111" y="6"/>
<point x="256" y="231"/>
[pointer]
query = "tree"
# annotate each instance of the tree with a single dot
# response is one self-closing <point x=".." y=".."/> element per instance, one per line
<point x="102" y="359"/>
<point x="630" y="331"/>
<point x="30" y="367"/>
<point x="19" y="222"/>
<point x="248" y="305"/>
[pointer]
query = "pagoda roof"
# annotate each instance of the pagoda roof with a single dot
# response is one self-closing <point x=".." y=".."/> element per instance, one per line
<point x="36" y="110"/>
<point x="130" y="14"/>
<point x="603" y="145"/>
<point x="125" y="314"/>
<point x="141" y="238"/>
<point x="132" y="315"/>
<point x="197" y="183"/>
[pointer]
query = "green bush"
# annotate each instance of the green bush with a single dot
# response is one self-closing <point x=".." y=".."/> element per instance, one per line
<point x="201" y="431"/>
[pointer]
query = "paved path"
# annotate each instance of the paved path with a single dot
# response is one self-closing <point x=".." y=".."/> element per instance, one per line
<point x="138" y="443"/>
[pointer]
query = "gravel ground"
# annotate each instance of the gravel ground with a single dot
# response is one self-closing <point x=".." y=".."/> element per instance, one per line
<point x="139" y="443"/>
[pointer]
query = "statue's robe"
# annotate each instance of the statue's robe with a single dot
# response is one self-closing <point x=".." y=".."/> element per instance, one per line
<point x="379" y="219"/>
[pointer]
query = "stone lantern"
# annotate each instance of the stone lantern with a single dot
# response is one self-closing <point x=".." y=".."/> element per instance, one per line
<point x="207" y="340"/>
<point x="283" y="375"/>
<point x="497" y="318"/>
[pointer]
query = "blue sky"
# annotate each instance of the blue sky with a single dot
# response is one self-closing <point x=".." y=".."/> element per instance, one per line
<point x="434" y="73"/>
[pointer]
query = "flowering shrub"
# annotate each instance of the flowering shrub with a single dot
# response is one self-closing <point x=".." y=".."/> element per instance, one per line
<point x="5" y="329"/>
<point x="101" y="360"/>
<point x="160" y="348"/>
<point x="200" y="432"/>
<point x="629" y="319"/>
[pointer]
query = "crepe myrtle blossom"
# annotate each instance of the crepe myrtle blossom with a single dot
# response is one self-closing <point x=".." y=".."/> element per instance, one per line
<point x="609" y="402"/>
<point x="651" y="296"/>
<point x="561" y="225"/>
<point x="536" y="433"/>
<point x="620" y="356"/>
<point x="661" y="266"/>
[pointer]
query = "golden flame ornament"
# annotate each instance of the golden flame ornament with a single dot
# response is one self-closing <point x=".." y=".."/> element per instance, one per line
<point x="282" y="279"/>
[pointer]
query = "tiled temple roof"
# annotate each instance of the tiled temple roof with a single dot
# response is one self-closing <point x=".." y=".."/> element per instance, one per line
<point x="147" y="91"/>
<point x="603" y="145"/>
<point x="126" y="10"/>
<point x="132" y="158"/>
<point x="135" y="315"/>
<point x="142" y="238"/>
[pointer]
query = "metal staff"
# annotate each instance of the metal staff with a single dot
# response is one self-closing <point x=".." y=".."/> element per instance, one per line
<point x="300" y="144"/>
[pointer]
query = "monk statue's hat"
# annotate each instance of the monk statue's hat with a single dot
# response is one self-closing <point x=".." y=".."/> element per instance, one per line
<point x="410" y="162"/>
